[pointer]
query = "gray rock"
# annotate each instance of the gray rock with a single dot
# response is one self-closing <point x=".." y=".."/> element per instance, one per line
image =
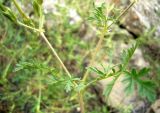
<point x="144" y="15"/>
<point x="156" y="106"/>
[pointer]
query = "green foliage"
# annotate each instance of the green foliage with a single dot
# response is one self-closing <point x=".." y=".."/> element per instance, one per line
<point x="37" y="5"/>
<point x="33" y="65"/>
<point x="7" y="12"/>
<point x="36" y="85"/>
<point x="97" y="71"/>
<point x="69" y="85"/>
<point x="146" y="88"/>
<point x="99" y="16"/>
<point x="109" y="87"/>
<point x="127" y="54"/>
<point x="135" y="81"/>
<point x="125" y="109"/>
<point x="40" y="2"/>
<point x="103" y="109"/>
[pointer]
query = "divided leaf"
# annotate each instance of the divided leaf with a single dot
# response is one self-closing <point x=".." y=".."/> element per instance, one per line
<point x="80" y="87"/>
<point x="68" y="85"/>
<point x="134" y="79"/>
<point x="99" y="16"/>
<point x="97" y="71"/>
<point x="108" y="89"/>
<point x="147" y="89"/>
<point x="34" y="64"/>
<point x="110" y="86"/>
<point x="127" y="54"/>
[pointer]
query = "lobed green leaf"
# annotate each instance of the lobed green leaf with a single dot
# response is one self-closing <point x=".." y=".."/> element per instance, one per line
<point x="133" y="80"/>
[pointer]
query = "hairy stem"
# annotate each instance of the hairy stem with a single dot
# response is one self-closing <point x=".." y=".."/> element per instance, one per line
<point x="81" y="102"/>
<point x="39" y="98"/>
<point x="98" y="47"/>
<point x="29" y="27"/>
<point x="55" y="53"/>
<point x="41" y="20"/>
<point x="123" y="12"/>
<point x="20" y="10"/>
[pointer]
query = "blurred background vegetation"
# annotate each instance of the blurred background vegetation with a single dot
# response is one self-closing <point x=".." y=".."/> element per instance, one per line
<point x="29" y="89"/>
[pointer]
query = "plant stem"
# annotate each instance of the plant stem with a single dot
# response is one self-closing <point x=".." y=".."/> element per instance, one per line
<point x="98" y="47"/>
<point x="55" y="53"/>
<point x="39" y="97"/>
<point x="29" y="27"/>
<point x="20" y="10"/>
<point x="123" y="12"/>
<point x="81" y="102"/>
<point x="41" y="20"/>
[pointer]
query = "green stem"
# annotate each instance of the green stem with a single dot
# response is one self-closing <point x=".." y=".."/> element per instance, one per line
<point x="55" y="53"/>
<point x="4" y="74"/>
<point x="98" y="47"/>
<point x="41" y="20"/>
<point x="81" y="102"/>
<point x="123" y="12"/>
<point x="39" y="98"/>
<point x="29" y="27"/>
<point x="20" y="10"/>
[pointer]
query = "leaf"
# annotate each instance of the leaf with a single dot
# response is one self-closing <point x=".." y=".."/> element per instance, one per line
<point x="129" y="89"/>
<point x="143" y="72"/>
<point x="52" y="80"/>
<point x="113" y="70"/>
<point x="80" y="87"/>
<point x="91" y="18"/>
<point x="68" y="85"/>
<point x="108" y="89"/>
<point x="94" y="69"/>
<point x="8" y="13"/>
<point x="98" y="15"/>
<point x="133" y="79"/>
<point x="37" y="7"/>
<point x="28" y="22"/>
<point x="147" y="89"/>
<point x="110" y="86"/>
<point x="127" y="54"/>
<point x="34" y="65"/>
<point x="134" y="73"/>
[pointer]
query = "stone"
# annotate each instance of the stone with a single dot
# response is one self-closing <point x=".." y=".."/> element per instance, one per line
<point x="143" y="16"/>
<point x="156" y="106"/>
